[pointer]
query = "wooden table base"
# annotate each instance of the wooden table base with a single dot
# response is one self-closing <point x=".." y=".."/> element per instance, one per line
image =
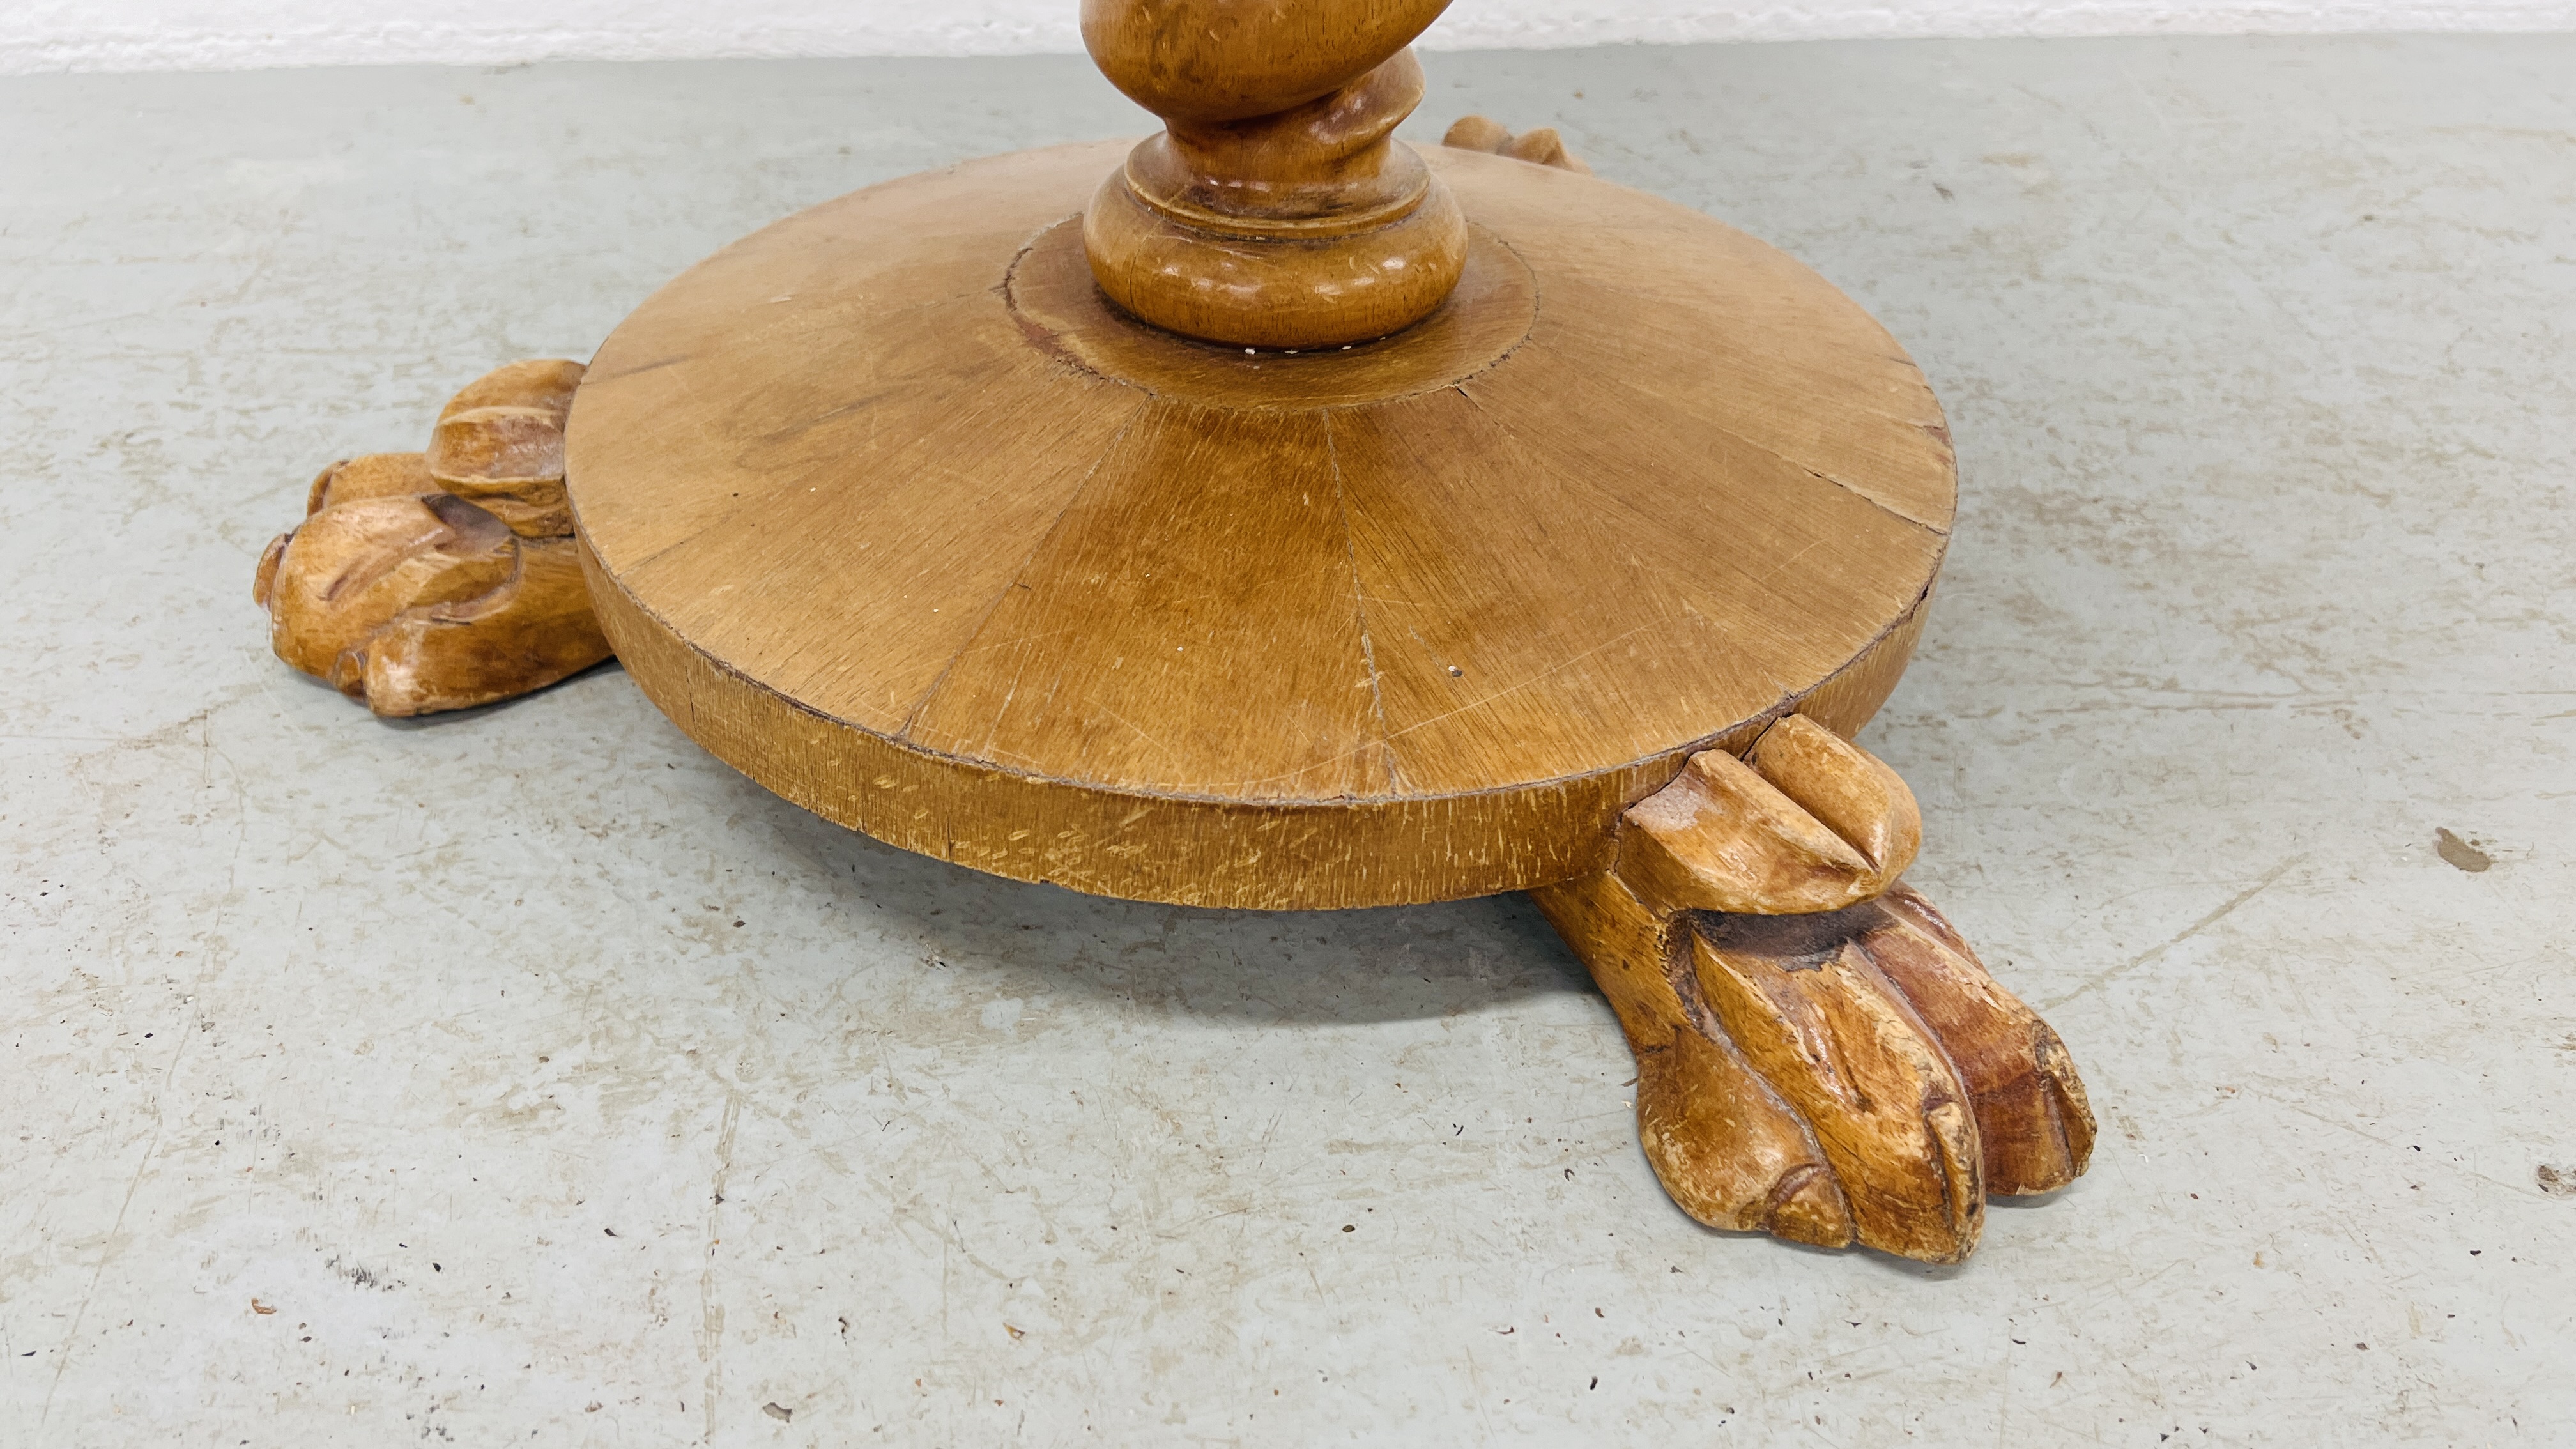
<point x="782" y="529"/>
<point x="1820" y="1056"/>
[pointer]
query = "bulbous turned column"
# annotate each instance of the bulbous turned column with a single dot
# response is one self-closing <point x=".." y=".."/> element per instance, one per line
<point x="1276" y="209"/>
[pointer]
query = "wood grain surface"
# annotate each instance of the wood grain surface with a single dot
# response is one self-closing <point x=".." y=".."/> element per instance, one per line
<point x="1275" y="208"/>
<point x="1819" y="1055"/>
<point x="1542" y="145"/>
<point x="886" y="510"/>
<point x="445" y="579"/>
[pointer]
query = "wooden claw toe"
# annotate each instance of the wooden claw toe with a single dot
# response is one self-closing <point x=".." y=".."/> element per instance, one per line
<point x="545" y="384"/>
<point x="350" y="568"/>
<point x="370" y="475"/>
<point x="1844" y="788"/>
<point x="525" y="635"/>
<point x="1729" y="1151"/>
<point x="1819" y="1023"/>
<point x="2032" y="1114"/>
<point x="1541" y="146"/>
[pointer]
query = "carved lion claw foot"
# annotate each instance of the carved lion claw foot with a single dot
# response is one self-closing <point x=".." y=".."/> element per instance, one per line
<point x="421" y="582"/>
<point x="1819" y="1055"/>
<point x="1542" y="146"/>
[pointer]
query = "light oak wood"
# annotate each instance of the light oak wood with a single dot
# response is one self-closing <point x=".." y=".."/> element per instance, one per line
<point x="1725" y="1144"/>
<point x="1566" y="553"/>
<point x="1804" y="822"/>
<point x="888" y="511"/>
<point x="1275" y="209"/>
<point x="1542" y="147"/>
<point x="1822" y="1066"/>
<point x="422" y="582"/>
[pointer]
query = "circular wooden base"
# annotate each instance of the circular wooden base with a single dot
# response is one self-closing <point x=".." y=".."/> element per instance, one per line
<point x="886" y="507"/>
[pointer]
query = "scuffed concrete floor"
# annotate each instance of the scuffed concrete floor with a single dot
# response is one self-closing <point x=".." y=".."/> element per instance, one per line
<point x="529" y="1077"/>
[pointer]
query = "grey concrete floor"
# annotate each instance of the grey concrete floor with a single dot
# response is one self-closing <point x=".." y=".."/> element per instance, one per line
<point x="527" y="1076"/>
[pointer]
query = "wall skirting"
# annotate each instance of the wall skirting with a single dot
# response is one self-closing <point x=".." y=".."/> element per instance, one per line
<point x="66" y="35"/>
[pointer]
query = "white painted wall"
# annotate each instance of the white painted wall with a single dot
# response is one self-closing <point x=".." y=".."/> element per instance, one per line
<point x="57" y="35"/>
